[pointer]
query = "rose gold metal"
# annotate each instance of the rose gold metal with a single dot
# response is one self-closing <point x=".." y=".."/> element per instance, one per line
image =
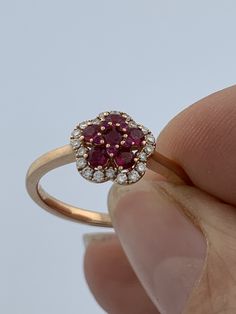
<point x="65" y="155"/>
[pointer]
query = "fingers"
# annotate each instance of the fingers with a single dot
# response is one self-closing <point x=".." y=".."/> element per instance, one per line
<point x="112" y="280"/>
<point x="158" y="224"/>
<point x="165" y="249"/>
<point x="202" y="139"/>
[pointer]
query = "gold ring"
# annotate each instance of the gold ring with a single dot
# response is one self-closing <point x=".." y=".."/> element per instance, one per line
<point x="110" y="147"/>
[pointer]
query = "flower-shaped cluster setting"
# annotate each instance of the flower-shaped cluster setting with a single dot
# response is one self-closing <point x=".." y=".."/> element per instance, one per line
<point x="112" y="147"/>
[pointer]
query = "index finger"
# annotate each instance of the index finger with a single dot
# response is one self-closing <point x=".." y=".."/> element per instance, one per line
<point x="202" y="139"/>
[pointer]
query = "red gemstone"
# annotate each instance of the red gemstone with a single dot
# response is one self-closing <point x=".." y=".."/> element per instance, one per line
<point x="128" y="142"/>
<point x="137" y="136"/>
<point x="113" y="137"/>
<point x="106" y="125"/>
<point x="123" y="127"/>
<point x="90" y="132"/>
<point x="98" y="140"/>
<point x="125" y="158"/>
<point x="112" y="150"/>
<point x="115" y="118"/>
<point x="98" y="157"/>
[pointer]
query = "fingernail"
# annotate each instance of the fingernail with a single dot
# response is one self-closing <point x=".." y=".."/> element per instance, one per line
<point x="165" y="249"/>
<point x="97" y="237"/>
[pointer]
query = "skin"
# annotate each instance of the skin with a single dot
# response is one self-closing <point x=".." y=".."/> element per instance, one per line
<point x="119" y="267"/>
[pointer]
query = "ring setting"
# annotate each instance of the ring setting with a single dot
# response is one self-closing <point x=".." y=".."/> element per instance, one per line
<point x="112" y="147"/>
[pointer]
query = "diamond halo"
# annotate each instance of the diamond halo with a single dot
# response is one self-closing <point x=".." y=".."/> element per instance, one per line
<point x="112" y="147"/>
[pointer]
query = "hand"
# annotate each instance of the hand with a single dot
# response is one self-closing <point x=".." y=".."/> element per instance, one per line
<point x="174" y="247"/>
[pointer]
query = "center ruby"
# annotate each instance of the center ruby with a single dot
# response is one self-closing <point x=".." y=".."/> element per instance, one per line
<point x="113" y="137"/>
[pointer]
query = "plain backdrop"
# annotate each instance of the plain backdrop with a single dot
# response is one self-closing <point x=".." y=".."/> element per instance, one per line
<point x="66" y="61"/>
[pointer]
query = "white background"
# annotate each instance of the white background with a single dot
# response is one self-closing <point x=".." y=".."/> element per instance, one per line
<point x="65" y="61"/>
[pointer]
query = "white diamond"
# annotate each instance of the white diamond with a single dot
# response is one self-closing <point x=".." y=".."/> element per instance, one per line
<point x="150" y="138"/>
<point x="141" y="167"/>
<point x="81" y="163"/>
<point x="103" y="114"/>
<point x="121" y="178"/>
<point x="126" y="116"/>
<point x="132" y="124"/>
<point x="134" y="176"/>
<point x="149" y="149"/>
<point x="76" y="133"/>
<point x="96" y="121"/>
<point x="75" y="143"/>
<point x="144" y="129"/>
<point x="98" y="176"/>
<point x="142" y="156"/>
<point x="87" y="173"/>
<point x="83" y="125"/>
<point x="81" y="151"/>
<point x="110" y="173"/>
<point x="114" y="112"/>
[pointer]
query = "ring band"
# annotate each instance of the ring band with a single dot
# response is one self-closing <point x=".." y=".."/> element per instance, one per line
<point x="99" y="161"/>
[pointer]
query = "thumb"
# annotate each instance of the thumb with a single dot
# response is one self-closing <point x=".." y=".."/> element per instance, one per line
<point x="164" y="230"/>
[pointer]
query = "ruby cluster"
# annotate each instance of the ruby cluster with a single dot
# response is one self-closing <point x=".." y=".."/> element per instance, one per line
<point x="113" y="142"/>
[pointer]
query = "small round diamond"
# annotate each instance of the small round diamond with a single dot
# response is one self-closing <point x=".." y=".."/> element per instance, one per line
<point x="141" y="167"/>
<point x="149" y="149"/>
<point x="144" y="129"/>
<point x="87" y="173"/>
<point x="83" y="125"/>
<point x="110" y="173"/>
<point x="126" y="116"/>
<point x="76" y="133"/>
<point x="102" y="115"/>
<point x="132" y="124"/>
<point x="150" y="139"/>
<point x="142" y="156"/>
<point x="133" y="176"/>
<point x="115" y="112"/>
<point x="75" y="143"/>
<point x="98" y="176"/>
<point x="96" y="121"/>
<point x="81" y="163"/>
<point x="121" y="178"/>
<point x="81" y="151"/>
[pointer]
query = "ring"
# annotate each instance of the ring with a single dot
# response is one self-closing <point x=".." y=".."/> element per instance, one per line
<point x="110" y="147"/>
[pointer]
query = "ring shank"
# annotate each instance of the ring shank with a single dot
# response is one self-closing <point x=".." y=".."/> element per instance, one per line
<point x="65" y="155"/>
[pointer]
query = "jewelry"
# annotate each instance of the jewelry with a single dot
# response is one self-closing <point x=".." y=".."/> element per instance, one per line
<point x="110" y="147"/>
